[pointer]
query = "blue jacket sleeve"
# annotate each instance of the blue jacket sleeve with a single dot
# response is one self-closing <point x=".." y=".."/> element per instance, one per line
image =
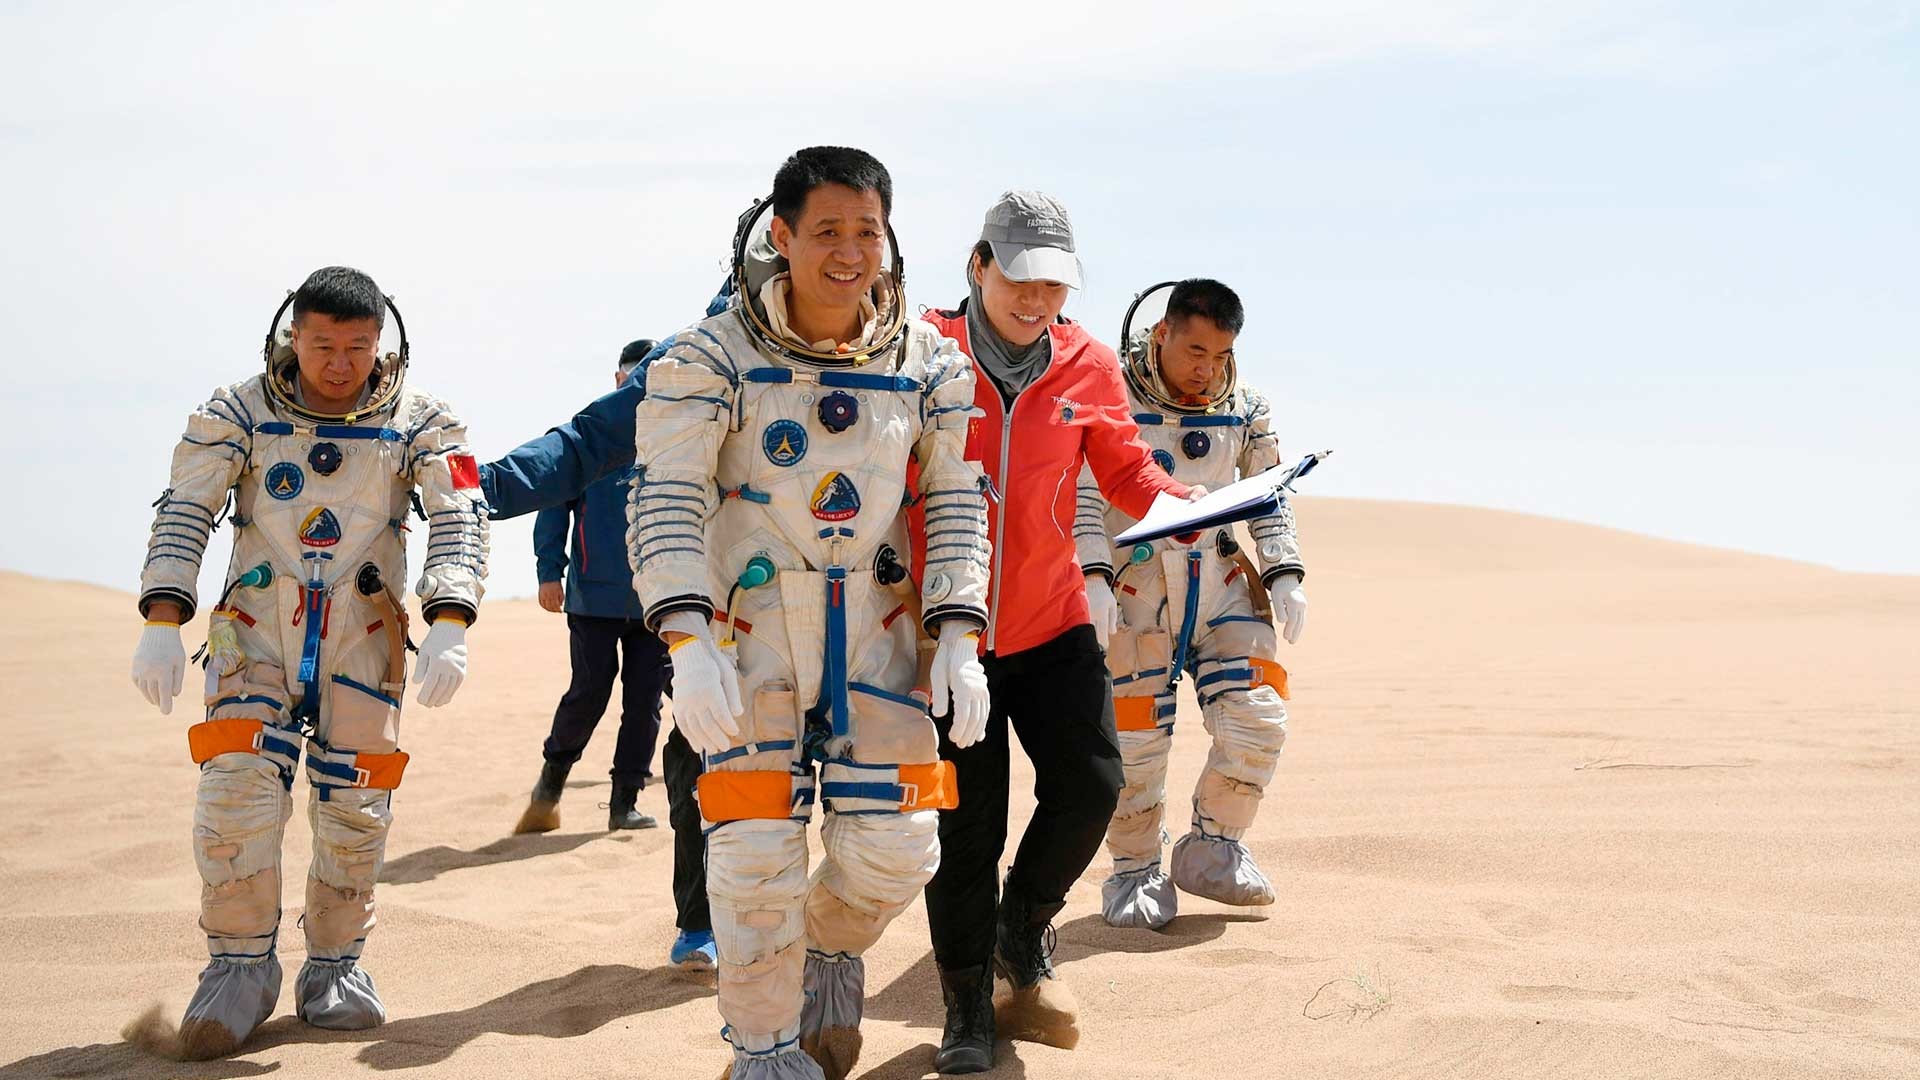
<point x="550" y="543"/>
<point x="558" y="466"/>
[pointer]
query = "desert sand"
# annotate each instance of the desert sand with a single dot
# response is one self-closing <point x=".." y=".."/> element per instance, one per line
<point x="1558" y="801"/>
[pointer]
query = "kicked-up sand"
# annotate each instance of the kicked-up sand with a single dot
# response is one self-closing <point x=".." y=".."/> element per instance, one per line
<point x="1557" y="801"/>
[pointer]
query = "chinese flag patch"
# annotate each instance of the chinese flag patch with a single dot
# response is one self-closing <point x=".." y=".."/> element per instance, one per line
<point x="466" y="472"/>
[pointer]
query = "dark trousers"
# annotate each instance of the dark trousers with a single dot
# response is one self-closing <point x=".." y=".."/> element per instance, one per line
<point x="681" y="763"/>
<point x="596" y="646"/>
<point x="1059" y="698"/>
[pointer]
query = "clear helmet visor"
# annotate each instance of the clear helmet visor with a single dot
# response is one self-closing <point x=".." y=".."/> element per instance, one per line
<point x="333" y="347"/>
<point x="882" y="306"/>
<point x="1140" y="333"/>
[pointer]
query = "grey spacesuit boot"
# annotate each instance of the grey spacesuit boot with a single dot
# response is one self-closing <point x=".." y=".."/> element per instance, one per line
<point x="830" y="1021"/>
<point x="233" y="998"/>
<point x="338" y="994"/>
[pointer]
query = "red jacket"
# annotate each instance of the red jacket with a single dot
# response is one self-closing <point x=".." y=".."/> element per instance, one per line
<point x="1077" y="412"/>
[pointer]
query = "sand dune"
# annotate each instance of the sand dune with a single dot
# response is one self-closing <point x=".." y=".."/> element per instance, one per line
<point x="1558" y="801"/>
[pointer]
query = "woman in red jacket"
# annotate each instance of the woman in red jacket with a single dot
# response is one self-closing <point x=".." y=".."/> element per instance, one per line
<point x="1051" y="399"/>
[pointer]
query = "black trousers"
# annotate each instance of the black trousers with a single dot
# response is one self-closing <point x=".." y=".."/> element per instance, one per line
<point x="1059" y="698"/>
<point x="681" y="763"/>
<point x="596" y="646"/>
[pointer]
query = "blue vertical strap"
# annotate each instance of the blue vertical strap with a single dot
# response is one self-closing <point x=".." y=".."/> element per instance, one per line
<point x="834" y="671"/>
<point x="314" y="610"/>
<point x="1188" y="618"/>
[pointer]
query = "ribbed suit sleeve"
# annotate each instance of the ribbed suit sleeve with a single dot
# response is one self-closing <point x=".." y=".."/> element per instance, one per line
<point x="958" y="558"/>
<point x="443" y="468"/>
<point x="1090" y="527"/>
<point x="1275" y="538"/>
<point x="678" y="428"/>
<point x="207" y="460"/>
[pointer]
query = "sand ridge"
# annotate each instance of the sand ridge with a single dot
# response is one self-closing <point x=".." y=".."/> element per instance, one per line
<point x="1557" y="800"/>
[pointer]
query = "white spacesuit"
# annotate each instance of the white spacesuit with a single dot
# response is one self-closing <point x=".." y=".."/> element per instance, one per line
<point x="306" y="646"/>
<point x="772" y="501"/>
<point x="1191" y="608"/>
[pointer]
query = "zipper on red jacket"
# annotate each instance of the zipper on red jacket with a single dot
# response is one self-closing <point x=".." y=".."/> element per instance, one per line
<point x="1000" y="517"/>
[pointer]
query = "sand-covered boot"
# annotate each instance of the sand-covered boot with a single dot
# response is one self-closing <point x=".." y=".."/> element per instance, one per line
<point x="543" y="810"/>
<point x="1038" y="1007"/>
<point x="338" y="995"/>
<point x="1139" y="899"/>
<point x="790" y="1064"/>
<point x="1221" y="869"/>
<point x="620" y="809"/>
<point x="966" y="1045"/>
<point x="830" y="1020"/>
<point x="233" y="998"/>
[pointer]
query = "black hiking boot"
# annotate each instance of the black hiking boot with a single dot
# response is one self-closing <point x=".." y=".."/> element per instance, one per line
<point x="966" y="1046"/>
<point x="620" y="811"/>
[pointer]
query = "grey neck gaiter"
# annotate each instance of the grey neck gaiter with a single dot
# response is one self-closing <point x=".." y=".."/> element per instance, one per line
<point x="1012" y="368"/>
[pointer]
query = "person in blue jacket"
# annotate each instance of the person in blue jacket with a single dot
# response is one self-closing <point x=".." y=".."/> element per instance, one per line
<point x="549" y="471"/>
<point x="603" y="625"/>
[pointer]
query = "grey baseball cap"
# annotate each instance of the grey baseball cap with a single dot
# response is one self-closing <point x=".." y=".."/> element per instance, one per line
<point x="1032" y="238"/>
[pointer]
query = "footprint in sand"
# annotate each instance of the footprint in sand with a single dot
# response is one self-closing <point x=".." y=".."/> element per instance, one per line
<point x="141" y="861"/>
<point x="1514" y="920"/>
<point x="1761" y="983"/>
<point x="1226" y="958"/>
<point x="1839" y="1004"/>
<point x="1450" y="943"/>
<point x="1552" y="994"/>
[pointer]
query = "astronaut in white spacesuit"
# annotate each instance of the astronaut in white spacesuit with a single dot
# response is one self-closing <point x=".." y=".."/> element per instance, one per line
<point x="1192" y="606"/>
<point x="323" y="456"/>
<point x="768" y="541"/>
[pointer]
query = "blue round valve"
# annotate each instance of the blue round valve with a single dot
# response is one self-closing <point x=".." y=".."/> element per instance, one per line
<point x="324" y="458"/>
<point x="838" y="411"/>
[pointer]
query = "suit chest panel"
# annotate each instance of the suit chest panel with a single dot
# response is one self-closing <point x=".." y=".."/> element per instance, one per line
<point x="320" y="501"/>
<point x="1195" y="449"/>
<point x="822" y="458"/>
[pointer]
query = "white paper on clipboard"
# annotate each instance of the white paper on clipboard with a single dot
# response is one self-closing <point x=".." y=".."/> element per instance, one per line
<point x="1241" y="500"/>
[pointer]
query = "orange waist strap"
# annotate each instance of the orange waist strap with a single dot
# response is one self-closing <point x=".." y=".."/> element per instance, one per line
<point x="933" y="786"/>
<point x="1136" y="713"/>
<point x="1269" y="673"/>
<point x="741" y="796"/>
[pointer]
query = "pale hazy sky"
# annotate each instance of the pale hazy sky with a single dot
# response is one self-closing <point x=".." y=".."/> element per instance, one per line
<point x="1648" y="265"/>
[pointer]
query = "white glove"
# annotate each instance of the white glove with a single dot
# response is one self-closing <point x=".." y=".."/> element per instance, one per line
<point x="160" y="665"/>
<point x="957" y="675"/>
<point x="1103" y="607"/>
<point x="442" y="665"/>
<point x="706" y="685"/>
<point x="1289" y="606"/>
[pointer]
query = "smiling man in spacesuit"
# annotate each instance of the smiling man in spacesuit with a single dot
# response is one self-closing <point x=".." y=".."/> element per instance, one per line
<point x="323" y="455"/>
<point x="769" y="548"/>
<point x="1197" y="608"/>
